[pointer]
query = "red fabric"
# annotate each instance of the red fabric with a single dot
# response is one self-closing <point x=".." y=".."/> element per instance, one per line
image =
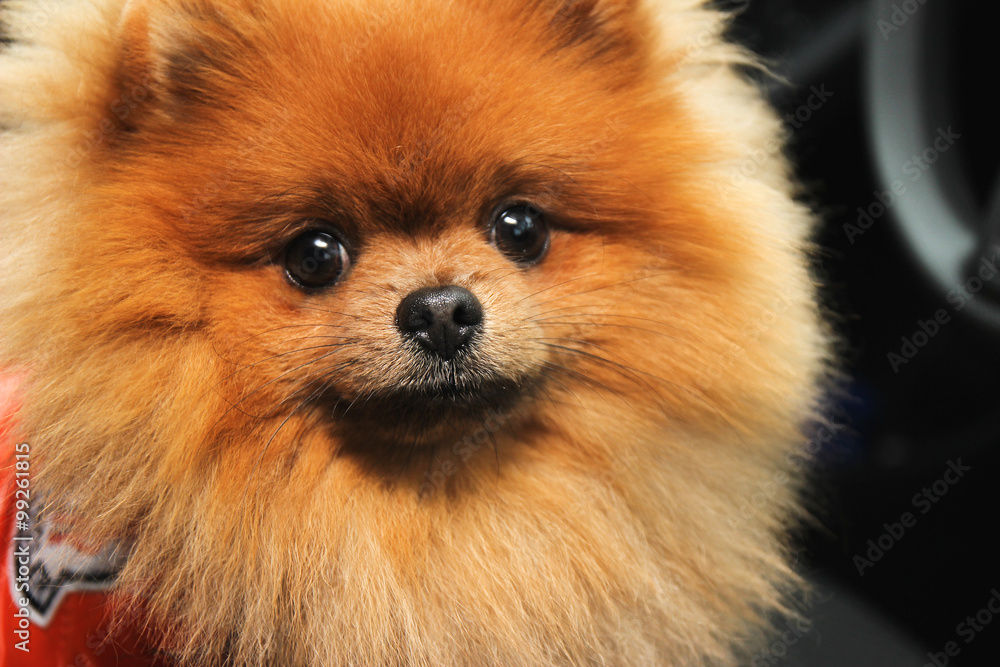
<point x="77" y="633"/>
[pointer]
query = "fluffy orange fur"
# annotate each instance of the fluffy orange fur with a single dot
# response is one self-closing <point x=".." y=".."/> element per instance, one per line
<point x="660" y="360"/>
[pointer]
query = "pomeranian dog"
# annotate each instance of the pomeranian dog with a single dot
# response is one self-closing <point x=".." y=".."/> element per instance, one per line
<point x="409" y="332"/>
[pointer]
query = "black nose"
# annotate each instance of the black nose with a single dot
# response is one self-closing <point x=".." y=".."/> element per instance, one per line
<point x="441" y="319"/>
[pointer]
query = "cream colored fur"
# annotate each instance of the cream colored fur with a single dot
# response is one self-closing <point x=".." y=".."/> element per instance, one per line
<point x="606" y="538"/>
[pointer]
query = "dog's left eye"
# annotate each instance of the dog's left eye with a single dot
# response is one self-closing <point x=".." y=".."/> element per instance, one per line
<point x="522" y="234"/>
<point x="316" y="259"/>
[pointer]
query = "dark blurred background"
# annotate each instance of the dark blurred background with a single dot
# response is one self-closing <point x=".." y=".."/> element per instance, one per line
<point x="894" y="130"/>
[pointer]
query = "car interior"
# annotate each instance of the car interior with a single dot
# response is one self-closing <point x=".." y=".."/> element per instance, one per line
<point x="897" y="150"/>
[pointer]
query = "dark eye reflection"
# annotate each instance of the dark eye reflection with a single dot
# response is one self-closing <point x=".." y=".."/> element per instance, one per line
<point x="521" y="233"/>
<point x="316" y="259"/>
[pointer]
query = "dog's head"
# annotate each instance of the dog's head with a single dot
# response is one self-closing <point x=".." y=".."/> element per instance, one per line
<point x="387" y="218"/>
<point x="320" y="252"/>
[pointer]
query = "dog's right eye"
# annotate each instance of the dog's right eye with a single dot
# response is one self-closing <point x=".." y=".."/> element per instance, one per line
<point x="521" y="233"/>
<point x="316" y="259"/>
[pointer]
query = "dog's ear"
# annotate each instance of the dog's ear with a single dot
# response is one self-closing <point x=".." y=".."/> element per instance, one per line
<point x="179" y="53"/>
<point x="602" y="28"/>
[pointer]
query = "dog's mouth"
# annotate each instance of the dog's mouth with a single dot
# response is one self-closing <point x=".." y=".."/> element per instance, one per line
<point x="434" y="409"/>
<point x="432" y="412"/>
<point x="446" y="370"/>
